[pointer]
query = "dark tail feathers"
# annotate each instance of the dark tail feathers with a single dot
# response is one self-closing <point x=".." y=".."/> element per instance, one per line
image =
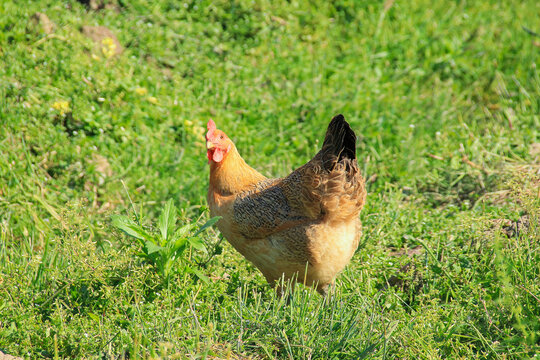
<point x="339" y="143"/>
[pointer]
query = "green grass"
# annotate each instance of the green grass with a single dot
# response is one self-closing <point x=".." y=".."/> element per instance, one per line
<point x="444" y="97"/>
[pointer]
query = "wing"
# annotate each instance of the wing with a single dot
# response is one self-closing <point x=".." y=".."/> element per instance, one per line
<point x="265" y="210"/>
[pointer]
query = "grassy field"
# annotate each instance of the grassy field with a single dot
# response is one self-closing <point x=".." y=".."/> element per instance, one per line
<point x="445" y="100"/>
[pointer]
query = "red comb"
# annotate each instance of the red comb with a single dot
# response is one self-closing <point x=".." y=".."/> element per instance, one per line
<point x="211" y="126"/>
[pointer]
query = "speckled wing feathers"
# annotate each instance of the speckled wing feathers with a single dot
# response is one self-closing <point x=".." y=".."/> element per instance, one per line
<point x="264" y="210"/>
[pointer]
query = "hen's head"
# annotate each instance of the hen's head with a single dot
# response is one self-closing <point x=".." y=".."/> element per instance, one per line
<point x="218" y="144"/>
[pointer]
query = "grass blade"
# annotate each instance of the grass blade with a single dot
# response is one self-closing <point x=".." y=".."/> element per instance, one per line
<point x="208" y="224"/>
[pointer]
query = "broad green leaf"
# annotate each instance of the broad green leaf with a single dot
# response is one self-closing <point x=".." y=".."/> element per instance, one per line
<point x="130" y="227"/>
<point x="199" y="274"/>
<point x="197" y="244"/>
<point x="167" y="219"/>
<point x="179" y="244"/>
<point x="209" y="223"/>
<point x="152" y="248"/>
<point x="182" y="231"/>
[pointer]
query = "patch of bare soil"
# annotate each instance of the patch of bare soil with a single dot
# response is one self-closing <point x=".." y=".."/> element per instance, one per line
<point x="103" y="37"/>
<point x="40" y="23"/>
<point x="8" y="357"/>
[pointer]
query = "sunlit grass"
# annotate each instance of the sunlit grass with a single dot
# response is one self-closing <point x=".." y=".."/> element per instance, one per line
<point x="444" y="98"/>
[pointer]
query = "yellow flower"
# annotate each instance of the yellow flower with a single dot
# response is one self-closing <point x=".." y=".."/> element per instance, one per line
<point x="141" y="91"/>
<point x="109" y="47"/>
<point x="108" y="41"/>
<point x="95" y="57"/>
<point x="198" y="131"/>
<point x="152" y="99"/>
<point x="188" y="123"/>
<point x="61" y="106"/>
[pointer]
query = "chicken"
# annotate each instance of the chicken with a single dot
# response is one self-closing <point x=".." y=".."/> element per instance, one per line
<point x="304" y="226"/>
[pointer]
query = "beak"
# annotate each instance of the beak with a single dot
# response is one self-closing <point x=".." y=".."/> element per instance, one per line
<point x="210" y="145"/>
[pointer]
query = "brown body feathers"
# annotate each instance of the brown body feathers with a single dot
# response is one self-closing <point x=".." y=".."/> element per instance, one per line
<point x="303" y="226"/>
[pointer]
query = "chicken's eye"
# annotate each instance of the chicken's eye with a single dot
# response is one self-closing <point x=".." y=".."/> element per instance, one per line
<point x="221" y="137"/>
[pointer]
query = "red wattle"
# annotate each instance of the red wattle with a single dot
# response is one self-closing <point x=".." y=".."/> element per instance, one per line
<point x="218" y="155"/>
